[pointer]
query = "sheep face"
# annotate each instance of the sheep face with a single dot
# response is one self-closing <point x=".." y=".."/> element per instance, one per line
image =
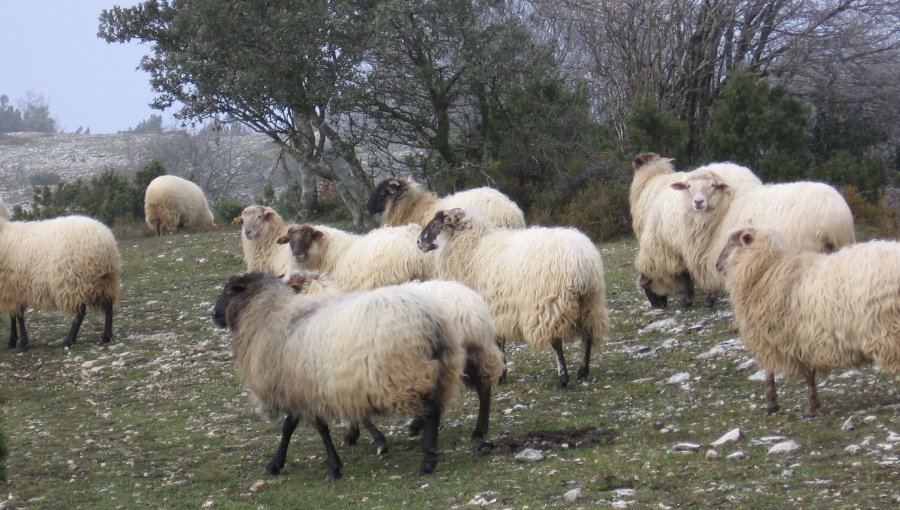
<point x="304" y="241"/>
<point x="447" y="221"/>
<point x="387" y="190"/>
<point x="237" y="286"/>
<point x="703" y="192"/>
<point x="255" y="221"/>
<point x="737" y="239"/>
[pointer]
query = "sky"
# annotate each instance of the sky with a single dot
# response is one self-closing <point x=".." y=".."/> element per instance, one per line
<point x="50" y="48"/>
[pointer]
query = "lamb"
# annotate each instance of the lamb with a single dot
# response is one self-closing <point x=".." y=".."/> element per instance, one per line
<point x="545" y="285"/>
<point x="467" y="310"/>
<point x="661" y="231"/>
<point x="384" y="256"/>
<point x="403" y="200"/>
<point x="803" y="312"/>
<point x="388" y="351"/>
<point x="261" y="227"/>
<point x="810" y="216"/>
<point x="172" y="204"/>
<point x="67" y="264"/>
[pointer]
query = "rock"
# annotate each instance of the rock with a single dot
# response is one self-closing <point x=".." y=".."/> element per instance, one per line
<point x="679" y="378"/>
<point x="788" y="473"/>
<point x="529" y="455"/>
<point x="893" y="437"/>
<point x="687" y="447"/>
<point x="849" y="424"/>
<point x="712" y="455"/>
<point x="784" y="447"/>
<point x="870" y="419"/>
<point x="738" y="455"/>
<point x="730" y="437"/>
<point x="853" y="449"/>
<point x="572" y="495"/>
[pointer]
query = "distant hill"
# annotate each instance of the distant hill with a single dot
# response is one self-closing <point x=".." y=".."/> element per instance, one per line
<point x="28" y="159"/>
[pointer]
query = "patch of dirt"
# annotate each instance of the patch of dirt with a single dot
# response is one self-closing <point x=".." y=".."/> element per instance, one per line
<point x="545" y="440"/>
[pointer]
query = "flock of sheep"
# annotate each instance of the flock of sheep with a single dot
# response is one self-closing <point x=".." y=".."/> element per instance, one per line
<point x="327" y="324"/>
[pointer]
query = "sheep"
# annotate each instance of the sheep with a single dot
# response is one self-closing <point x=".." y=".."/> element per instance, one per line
<point x="661" y="230"/>
<point x="261" y="227"/>
<point x="172" y="204"/>
<point x="545" y="285"/>
<point x="403" y="200"/>
<point x="468" y="311"/>
<point x="384" y="256"/>
<point x="810" y="216"/>
<point x="67" y="264"/>
<point x="385" y="351"/>
<point x="803" y="312"/>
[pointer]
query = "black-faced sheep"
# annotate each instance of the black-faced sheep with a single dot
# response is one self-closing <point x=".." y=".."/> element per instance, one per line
<point x="810" y="216"/>
<point x="385" y="351"/>
<point x="545" y="285"/>
<point x="172" y="204"/>
<point x="803" y="312"/>
<point x="261" y="227"/>
<point x="467" y="311"/>
<point x="67" y="264"/>
<point x="384" y="256"/>
<point x="403" y="201"/>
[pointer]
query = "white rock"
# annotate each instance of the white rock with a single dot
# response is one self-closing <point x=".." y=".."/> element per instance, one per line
<point x="727" y="347"/>
<point x="529" y="455"/>
<point x="679" y="378"/>
<point x="624" y="493"/>
<point x="759" y="375"/>
<point x="772" y="439"/>
<point x="870" y="419"/>
<point x="572" y="495"/>
<point x="729" y="437"/>
<point x="783" y="447"/>
<point x="852" y="449"/>
<point x="712" y="455"/>
<point x="849" y="424"/>
<point x="738" y="455"/>
<point x="893" y="437"/>
<point x="687" y="447"/>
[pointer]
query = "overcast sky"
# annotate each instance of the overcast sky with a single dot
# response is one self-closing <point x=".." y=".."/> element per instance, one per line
<point x="50" y="48"/>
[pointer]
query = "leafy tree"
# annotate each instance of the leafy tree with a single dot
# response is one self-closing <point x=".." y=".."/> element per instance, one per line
<point x="150" y="125"/>
<point x="10" y="117"/>
<point x="759" y="126"/>
<point x="151" y="171"/>
<point x="868" y="176"/>
<point x="650" y="128"/>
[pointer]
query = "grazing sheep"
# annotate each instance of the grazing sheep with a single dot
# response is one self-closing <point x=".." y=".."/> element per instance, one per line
<point x="386" y="351"/>
<point x="467" y="311"/>
<point x="384" y="256"/>
<point x="802" y="312"/>
<point x="172" y="204"/>
<point x="810" y="216"/>
<point x="405" y="201"/>
<point x="660" y="228"/>
<point x="67" y="264"/>
<point x="545" y="285"/>
<point x="261" y="227"/>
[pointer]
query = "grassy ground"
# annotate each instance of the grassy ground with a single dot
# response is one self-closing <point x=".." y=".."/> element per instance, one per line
<point x="158" y="418"/>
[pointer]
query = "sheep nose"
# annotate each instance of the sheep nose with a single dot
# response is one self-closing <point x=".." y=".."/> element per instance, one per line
<point x="699" y="203"/>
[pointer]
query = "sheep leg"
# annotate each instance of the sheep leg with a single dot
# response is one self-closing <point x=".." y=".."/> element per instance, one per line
<point x="688" y="299"/>
<point x="76" y="325"/>
<point x="585" y="367"/>
<point x="771" y="393"/>
<point x="377" y="436"/>
<point x="813" y="394"/>
<point x="23" y="335"/>
<point x="107" y="322"/>
<point x="352" y="434"/>
<point x="432" y="419"/>
<point x="502" y="345"/>
<point x="711" y="298"/>
<point x="287" y="430"/>
<point x="561" y="365"/>
<point x="484" y="408"/>
<point x="334" y="462"/>
<point x="13" y="332"/>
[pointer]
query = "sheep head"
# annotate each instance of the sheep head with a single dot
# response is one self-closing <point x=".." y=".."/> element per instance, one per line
<point x="704" y="191"/>
<point x="443" y="221"/>
<point x="255" y="221"/>
<point x="311" y="282"/>
<point x="387" y="190"/>
<point x="736" y="239"/>
<point x="643" y="159"/>
<point x="226" y="310"/>
<point x="304" y="240"/>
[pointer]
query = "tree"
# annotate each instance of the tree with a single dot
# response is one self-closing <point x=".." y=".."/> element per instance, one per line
<point x="652" y="129"/>
<point x="151" y="125"/>
<point x="10" y="117"/>
<point x="32" y="115"/>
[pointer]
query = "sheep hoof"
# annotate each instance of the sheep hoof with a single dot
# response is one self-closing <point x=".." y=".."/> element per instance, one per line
<point x="562" y="382"/>
<point x="333" y="474"/>
<point x="382" y="451"/>
<point x="478" y="434"/>
<point x="271" y="470"/>
<point x="583" y="372"/>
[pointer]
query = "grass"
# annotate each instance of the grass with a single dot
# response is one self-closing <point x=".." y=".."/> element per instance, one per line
<point x="158" y="419"/>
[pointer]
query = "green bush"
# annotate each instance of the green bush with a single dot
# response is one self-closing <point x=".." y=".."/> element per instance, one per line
<point x="600" y="211"/>
<point x="227" y="209"/>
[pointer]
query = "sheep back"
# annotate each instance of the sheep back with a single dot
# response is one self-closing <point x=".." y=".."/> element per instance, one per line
<point x="172" y="203"/>
<point x="60" y="264"/>
<point x="798" y="311"/>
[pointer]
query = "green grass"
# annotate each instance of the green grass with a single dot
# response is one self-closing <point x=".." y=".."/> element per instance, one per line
<point x="158" y="419"/>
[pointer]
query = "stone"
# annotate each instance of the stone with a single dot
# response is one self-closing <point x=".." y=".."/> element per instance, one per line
<point x="687" y="447"/>
<point x="572" y="495"/>
<point x="712" y="455"/>
<point x="849" y="424"/>
<point x="784" y="447"/>
<point x="731" y="436"/>
<point x="738" y="455"/>
<point x="529" y="455"/>
<point x="679" y="378"/>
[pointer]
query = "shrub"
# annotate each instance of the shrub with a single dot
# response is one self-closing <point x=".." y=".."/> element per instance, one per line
<point x="226" y="209"/>
<point x="872" y="220"/>
<point x="600" y="211"/>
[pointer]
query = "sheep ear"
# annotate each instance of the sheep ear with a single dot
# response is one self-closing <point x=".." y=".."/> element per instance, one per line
<point x="680" y="186"/>
<point x="720" y="185"/>
<point x="268" y="214"/>
<point x="283" y="240"/>
<point x="747" y="237"/>
<point x="237" y="221"/>
<point x="317" y="234"/>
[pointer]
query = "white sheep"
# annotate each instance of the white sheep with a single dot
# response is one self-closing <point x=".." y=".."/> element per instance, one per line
<point x="261" y="227"/>
<point x="803" y="312"/>
<point x="67" y="264"/>
<point x="545" y="285"/>
<point x="172" y="204"/>
<point x="467" y="311"/>
<point x="384" y="256"/>
<point x="385" y="351"/>
<point x="810" y="216"/>
<point x="403" y="201"/>
<point x="660" y="227"/>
